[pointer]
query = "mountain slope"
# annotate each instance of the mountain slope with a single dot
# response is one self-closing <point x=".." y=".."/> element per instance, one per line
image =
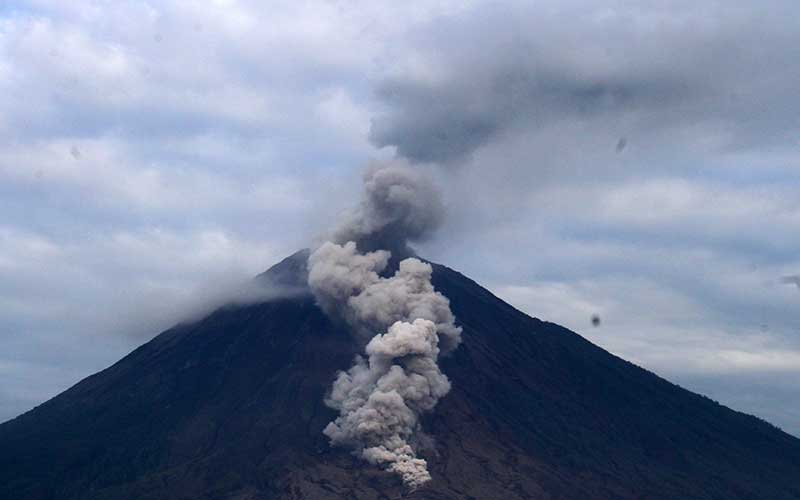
<point x="232" y="407"/>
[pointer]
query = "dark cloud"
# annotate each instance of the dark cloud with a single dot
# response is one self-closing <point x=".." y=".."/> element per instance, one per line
<point x="447" y="123"/>
<point x="791" y="280"/>
<point x="493" y="69"/>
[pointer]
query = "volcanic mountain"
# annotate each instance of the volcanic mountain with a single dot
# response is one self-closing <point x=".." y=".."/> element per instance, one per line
<point x="232" y="407"/>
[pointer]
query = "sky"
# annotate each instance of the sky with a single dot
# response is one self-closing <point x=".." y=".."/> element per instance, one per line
<point x="633" y="161"/>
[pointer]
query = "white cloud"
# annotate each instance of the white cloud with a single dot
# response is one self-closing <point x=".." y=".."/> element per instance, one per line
<point x="657" y="328"/>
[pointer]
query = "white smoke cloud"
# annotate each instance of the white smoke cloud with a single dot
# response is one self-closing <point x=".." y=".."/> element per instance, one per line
<point x="380" y="398"/>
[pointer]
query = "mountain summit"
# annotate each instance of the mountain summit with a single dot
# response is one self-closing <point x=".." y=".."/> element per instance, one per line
<point x="232" y="407"/>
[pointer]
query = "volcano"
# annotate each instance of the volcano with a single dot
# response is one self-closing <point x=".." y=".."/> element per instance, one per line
<point x="232" y="407"/>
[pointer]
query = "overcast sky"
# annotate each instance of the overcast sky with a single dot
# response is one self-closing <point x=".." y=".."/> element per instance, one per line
<point x="638" y="161"/>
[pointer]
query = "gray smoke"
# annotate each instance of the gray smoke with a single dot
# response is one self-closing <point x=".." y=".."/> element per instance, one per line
<point x="348" y="285"/>
<point x="338" y="272"/>
<point x="380" y="398"/>
<point x="399" y="204"/>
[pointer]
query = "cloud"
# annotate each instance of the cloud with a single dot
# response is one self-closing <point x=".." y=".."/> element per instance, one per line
<point x="648" y="69"/>
<point x="69" y="307"/>
<point x="791" y="280"/>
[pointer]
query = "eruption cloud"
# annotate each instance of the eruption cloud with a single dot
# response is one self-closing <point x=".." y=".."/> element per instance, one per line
<point x="399" y="204"/>
<point x="403" y="321"/>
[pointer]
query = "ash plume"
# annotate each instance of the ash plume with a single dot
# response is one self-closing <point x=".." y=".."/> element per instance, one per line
<point x="399" y="204"/>
<point x="408" y="323"/>
<point x="348" y="285"/>
<point x="380" y="399"/>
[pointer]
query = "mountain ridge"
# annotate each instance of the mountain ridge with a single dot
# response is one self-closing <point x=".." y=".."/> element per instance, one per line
<point x="231" y="406"/>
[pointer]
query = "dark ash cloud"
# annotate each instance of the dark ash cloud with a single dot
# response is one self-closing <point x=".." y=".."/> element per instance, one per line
<point x="471" y="78"/>
<point x="447" y="123"/>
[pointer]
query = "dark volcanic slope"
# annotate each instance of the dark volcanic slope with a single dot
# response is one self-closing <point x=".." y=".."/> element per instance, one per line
<point x="231" y="407"/>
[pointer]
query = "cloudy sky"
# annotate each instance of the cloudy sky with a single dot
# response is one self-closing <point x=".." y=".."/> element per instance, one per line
<point x="638" y="161"/>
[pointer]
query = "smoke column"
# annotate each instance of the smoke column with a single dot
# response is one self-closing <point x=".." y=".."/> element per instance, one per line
<point x="404" y="323"/>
